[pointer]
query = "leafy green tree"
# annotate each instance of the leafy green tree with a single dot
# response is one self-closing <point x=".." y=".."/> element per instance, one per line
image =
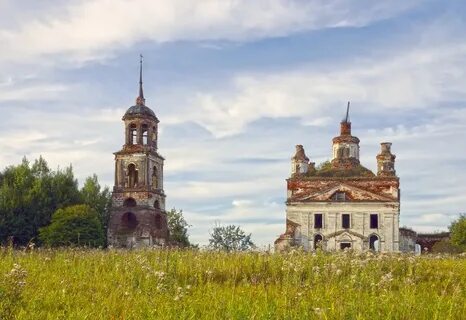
<point x="178" y="228"/>
<point x="458" y="232"/>
<point x="75" y="225"/>
<point x="97" y="198"/>
<point x="29" y="194"/>
<point x="230" y="238"/>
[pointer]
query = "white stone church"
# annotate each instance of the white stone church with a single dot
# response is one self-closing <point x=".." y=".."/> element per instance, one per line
<point x="342" y="204"/>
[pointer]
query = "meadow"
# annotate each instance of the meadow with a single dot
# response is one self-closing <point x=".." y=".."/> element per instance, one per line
<point x="189" y="284"/>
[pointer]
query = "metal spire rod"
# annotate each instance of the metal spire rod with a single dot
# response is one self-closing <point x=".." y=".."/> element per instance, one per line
<point x="347" y="112"/>
<point x="141" y="93"/>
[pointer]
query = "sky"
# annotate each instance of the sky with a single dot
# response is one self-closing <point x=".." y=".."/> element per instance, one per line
<point x="236" y="84"/>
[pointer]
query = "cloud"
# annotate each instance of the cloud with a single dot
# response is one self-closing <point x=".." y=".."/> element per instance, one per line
<point x="227" y="143"/>
<point x="84" y="30"/>
<point x="407" y="80"/>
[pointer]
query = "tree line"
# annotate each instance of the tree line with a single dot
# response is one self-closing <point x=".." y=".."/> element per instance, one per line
<point x="31" y="193"/>
<point x="41" y="206"/>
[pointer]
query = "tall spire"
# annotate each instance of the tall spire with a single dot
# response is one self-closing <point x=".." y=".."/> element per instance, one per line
<point x="140" y="99"/>
<point x="347" y="112"/>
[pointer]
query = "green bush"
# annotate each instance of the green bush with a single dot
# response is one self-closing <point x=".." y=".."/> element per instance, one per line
<point x="77" y="225"/>
<point x="458" y="232"/>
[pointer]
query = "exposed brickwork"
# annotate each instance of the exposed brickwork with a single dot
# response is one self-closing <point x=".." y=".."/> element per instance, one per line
<point x="428" y="240"/>
<point x="359" y="188"/>
<point x="138" y="215"/>
<point x="342" y="204"/>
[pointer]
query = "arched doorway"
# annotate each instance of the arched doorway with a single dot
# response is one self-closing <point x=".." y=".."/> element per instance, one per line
<point x="129" y="221"/>
<point x="374" y="242"/>
<point x="128" y="225"/>
<point x="318" y="241"/>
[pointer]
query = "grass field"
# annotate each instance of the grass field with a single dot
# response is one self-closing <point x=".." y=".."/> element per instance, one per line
<point x="167" y="284"/>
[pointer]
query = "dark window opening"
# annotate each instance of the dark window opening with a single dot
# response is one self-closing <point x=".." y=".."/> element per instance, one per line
<point x="345" y="245"/>
<point x="158" y="221"/>
<point x="345" y="221"/>
<point x="318" y="241"/>
<point x="339" y="196"/>
<point x="156" y="204"/>
<point x="373" y="242"/>
<point x="132" y="176"/>
<point x="130" y="202"/>
<point x="374" y="221"/>
<point x="318" y="221"/>
<point x="129" y="220"/>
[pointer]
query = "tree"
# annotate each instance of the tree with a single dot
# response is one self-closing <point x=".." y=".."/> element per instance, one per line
<point x="75" y="225"/>
<point x="28" y="197"/>
<point x="92" y="195"/>
<point x="445" y="246"/>
<point x="230" y="238"/>
<point x="458" y="232"/>
<point x="178" y="228"/>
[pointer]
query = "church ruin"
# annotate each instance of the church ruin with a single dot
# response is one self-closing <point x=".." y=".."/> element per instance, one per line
<point x="138" y="215"/>
<point x="342" y="204"/>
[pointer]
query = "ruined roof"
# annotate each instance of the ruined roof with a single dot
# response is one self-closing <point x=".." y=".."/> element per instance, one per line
<point x="326" y="169"/>
<point x="139" y="110"/>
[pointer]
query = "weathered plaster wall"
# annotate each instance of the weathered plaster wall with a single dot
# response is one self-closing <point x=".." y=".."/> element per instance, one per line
<point x="302" y="215"/>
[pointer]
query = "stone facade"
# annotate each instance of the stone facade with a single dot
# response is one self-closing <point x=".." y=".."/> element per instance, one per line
<point x="138" y="215"/>
<point x="342" y="204"/>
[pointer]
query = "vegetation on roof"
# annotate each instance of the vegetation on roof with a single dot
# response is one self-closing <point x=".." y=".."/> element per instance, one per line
<point x="325" y="169"/>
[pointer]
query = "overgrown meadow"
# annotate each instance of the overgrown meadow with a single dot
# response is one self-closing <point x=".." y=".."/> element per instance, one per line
<point x="172" y="284"/>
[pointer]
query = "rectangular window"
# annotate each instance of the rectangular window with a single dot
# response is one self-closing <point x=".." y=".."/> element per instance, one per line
<point x="318" y="221"/>
<point x="374" y="221"/>
<point x="345" y="221"/>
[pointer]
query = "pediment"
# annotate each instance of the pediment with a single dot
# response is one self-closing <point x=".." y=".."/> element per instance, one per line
<point x="342" y="234"/>
<point x="351" y="194"/>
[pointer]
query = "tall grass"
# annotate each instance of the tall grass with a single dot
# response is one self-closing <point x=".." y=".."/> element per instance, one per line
<point x="170" y="284"/>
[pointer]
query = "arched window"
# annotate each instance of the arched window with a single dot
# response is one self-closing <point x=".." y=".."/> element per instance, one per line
<point x="133" y="134"/>
<point x="158" y="221"/>
<point x="374" y="242"/>
<point x="318" y="241"/>
<point x="156" y="204"/>
<point x="145" y="133"/>
<point x="129" y="202"/>
<point x="154" y="178"/>
<point x="129" y="221"/>
<point x="132" y="176"/>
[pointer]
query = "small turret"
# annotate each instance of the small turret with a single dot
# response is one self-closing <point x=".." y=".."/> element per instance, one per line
<point x="386" y="160"/>
<point x="300" y="162"/>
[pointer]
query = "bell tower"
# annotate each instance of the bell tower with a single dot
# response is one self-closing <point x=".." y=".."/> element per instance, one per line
<point x="137" y="216"/>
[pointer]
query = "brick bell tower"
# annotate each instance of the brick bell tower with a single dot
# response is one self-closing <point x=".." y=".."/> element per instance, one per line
<point x="137" y="217"/>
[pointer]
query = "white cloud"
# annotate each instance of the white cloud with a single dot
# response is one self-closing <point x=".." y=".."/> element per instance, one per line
<point x="86" y="29"/>
<point x="411" y="79"/>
